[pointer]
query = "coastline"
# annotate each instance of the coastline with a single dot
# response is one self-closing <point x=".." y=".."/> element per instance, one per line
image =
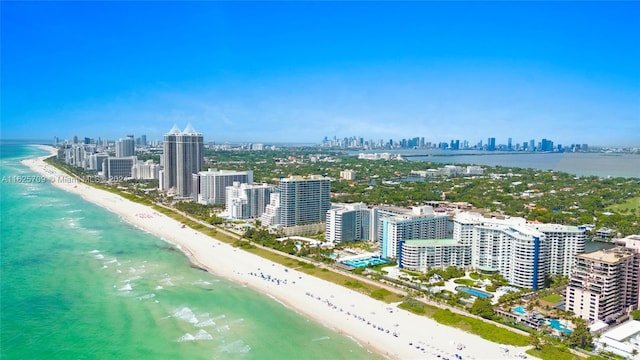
<point x="334" y="306"/>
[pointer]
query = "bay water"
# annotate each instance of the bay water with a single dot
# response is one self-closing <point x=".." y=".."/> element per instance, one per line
<point x="77" y="282"/>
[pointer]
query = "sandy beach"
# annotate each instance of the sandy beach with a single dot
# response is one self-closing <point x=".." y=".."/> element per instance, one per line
<point x="381" y="327"/>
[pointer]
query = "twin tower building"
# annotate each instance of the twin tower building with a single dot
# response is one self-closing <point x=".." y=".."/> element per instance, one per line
<point x="183" y="156"/>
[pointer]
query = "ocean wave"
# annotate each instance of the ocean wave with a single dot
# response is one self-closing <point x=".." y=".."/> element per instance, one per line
<point x="206" y="323"/>
<point x="127" y="287"/>
<point x="321" y="338"/>
<point x="148" y="296"/>
<point x="185" y="337"/>
<point x="235" y="347"/>
<point x="186" y="314"/>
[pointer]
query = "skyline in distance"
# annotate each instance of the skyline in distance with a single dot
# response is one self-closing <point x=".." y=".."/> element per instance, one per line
<point x="297" y="72"/>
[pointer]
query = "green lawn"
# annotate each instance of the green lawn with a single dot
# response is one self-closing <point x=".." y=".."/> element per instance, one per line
<point x="552" y="298"/>
<point x="633" y="203"/>
<point x="551" y="352"/>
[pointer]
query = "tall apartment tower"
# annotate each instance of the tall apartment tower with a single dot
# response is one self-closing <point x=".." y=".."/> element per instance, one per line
<point x="421" y="223"/>
<point x="348" y="223"/>
<point x="604" y="284"/>
<point x="126" y="147"/>
<point x="183" y="157"/>
<point x="304" y="200"/>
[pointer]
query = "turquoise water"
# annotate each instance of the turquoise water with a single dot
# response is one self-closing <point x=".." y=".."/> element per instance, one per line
<point x="556" y="324"/>
<point x="365" y="262"/>
<point x="474" y="292"/>
<point x="519" y="310"/>
<point x="78" y="282"/>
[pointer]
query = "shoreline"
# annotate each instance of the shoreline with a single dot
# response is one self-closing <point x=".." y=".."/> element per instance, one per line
<point x="380" y="327"/>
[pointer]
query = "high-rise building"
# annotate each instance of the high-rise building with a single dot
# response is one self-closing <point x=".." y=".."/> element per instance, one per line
<point x="491" y="144"/>
<point x="182" y="157"/>
<point x="304" y="200"/>
<point x="210" y="187"/>
<point x="126" y="147"/>
<point x="348" y="174"/>
<point x="348" y="223"/>
<point x="524" y="253"/>
<point x="604" y="284"/>
<point x="145" y="170"/>
<point x="247" y="201"/>
<point x="115" y="167"/>
<point x="422" y="223"/>
<point x="271" y="215"/>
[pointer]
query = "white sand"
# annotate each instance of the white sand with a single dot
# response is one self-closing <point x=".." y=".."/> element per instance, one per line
<point x="339" y="308"/>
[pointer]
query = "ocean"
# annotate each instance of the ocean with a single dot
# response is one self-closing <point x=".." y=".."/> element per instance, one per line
<point x="79" y="283"/>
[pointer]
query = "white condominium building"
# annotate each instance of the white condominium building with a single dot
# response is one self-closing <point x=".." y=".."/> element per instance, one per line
<point x="347" y="223"/>
<point x="524" y="253"/>
<point x="422" y="223"/>
<point x="271" y="215"/>
<point x="420" y="255"/>
<point x="145" y="170"/>
<point x="211" y="185"/>
<point x="247" y="201"/>
<point x="564" y="242"/>
<point x="348" y="175"/>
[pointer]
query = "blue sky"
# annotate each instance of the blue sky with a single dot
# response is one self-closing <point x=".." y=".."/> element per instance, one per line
<point x="299" y="71"/>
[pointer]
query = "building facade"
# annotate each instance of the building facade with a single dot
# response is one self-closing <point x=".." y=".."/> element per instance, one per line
<point x="422" y="223"/>
<point x="348" y="223"/>
<point x="115" y="168"/>
<point x="524" y="253"/>
<point x="604" y="284"/>
<point x="304" y="200"/>
<point x="182" y="157"/>
<point x="125" y="147"/>
<point x="420" y="255"/>
<point x="247" y="201"/>
<point x="210" y="187"/>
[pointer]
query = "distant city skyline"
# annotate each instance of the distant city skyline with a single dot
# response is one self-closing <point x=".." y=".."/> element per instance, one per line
<point x="295" y="72"/>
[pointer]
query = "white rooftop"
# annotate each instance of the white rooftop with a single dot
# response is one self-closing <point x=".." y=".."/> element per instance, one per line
<point x="624" y="331"/>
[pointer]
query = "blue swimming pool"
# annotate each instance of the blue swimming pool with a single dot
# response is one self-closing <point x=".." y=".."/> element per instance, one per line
<point x="519" y="310"/>
<point x="556" y="324"/>
<point x="474" y="292"/>
<point x="365" y="262"/>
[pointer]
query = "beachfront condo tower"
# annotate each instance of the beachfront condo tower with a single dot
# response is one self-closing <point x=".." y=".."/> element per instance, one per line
<point x="304" y="201"/>
<point x="182" y="157"/>
<point x="604" y="284"/>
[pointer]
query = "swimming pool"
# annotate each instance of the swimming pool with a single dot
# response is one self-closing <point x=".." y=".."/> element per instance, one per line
<point x="474" y="292"/>
<point x="365" y="262"/>
<point x="556" y="324"/>
<point x="519" y="310"/>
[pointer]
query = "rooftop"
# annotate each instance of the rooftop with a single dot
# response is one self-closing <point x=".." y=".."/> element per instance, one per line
<point x="611" y="256"/>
